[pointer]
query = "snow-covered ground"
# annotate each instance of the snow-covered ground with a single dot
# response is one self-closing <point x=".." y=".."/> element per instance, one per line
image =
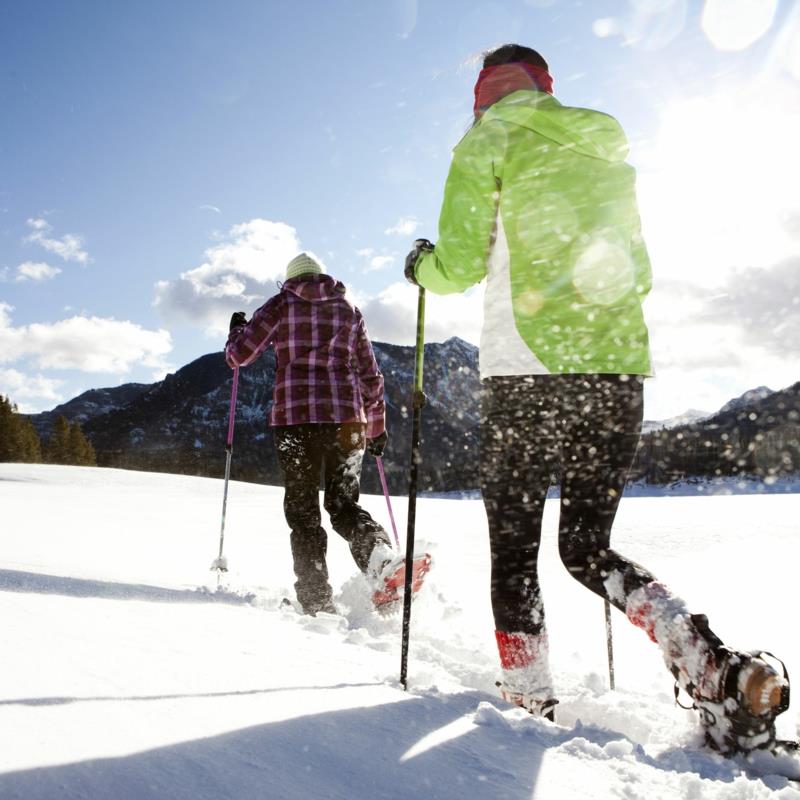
<point x="120" y="679"/>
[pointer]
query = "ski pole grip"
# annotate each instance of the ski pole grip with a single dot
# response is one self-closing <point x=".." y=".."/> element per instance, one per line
<point x="419" y="349"/>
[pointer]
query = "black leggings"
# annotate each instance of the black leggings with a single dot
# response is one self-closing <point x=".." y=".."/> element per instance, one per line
<point x="583" y="430"/>
<point x="336" y="451"/>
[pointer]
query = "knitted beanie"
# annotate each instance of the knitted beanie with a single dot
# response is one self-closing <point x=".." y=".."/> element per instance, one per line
<point x="303" y="264"/>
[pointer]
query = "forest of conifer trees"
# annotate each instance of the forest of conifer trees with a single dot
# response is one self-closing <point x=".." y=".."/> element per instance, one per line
<point x="19" y="441"/>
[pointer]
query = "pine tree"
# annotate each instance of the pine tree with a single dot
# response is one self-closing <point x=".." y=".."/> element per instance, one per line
<point x="18" y="438"/>
<point x="7" y="437"/>
<point x="81" y="451"/>
<point x="58" y="446"/>
<point x="30" y="444"/>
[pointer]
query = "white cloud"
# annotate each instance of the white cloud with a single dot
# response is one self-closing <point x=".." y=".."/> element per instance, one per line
<point x="678" y="387"/>
<point x="88" y="344"/>
<point x="379" y="262"/>
<point x="208" y="207"/>
<point x="29" y="393"/>
<point x="237" y="274"/>
<point x="724" y="311"/>
<point x="405" y="226"/>
<point x="69" y="247"/>
<point x="36" y="271"/>
<point x="711" y="344"/>
<point x="765" y="304"/>
<point x="375" y="261"/>
<point x="391" y="316"/>
<point x="738" y="212"/>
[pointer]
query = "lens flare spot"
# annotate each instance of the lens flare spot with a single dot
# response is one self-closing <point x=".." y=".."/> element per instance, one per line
<point x="603" y="272"/>
<point x="529" y="302"/>
<point x="737" y="24"/>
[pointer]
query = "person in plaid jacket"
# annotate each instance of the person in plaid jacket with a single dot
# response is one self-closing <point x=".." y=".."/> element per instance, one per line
<point x="328" y="407"/>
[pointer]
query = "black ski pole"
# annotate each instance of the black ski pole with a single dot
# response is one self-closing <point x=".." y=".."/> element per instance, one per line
<point x="417" y="403"/>
<point x="609" y="646"/>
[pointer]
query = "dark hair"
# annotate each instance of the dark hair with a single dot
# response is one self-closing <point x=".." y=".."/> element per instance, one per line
<point x="511" y="53"/>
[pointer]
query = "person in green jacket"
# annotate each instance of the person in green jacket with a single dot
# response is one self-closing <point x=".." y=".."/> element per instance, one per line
<point x="540" y="203"/>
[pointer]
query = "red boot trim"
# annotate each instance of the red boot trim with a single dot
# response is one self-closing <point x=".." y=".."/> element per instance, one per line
<point x="642" y="617"/>
<point x="517" y="650"/>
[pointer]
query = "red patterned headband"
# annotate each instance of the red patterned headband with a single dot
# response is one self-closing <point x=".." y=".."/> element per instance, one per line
<point x="494" y="83"/>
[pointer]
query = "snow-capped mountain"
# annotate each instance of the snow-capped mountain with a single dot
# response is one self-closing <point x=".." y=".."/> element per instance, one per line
<point x="757" y="434"/>
<point x="179" y="425"/>
<point x="91" y="403"/>
<point x="687" y="418"/>
<point x="748" y="398"/>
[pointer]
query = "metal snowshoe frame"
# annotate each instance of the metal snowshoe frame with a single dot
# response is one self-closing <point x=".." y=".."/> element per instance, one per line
<point x="730" y="725"/>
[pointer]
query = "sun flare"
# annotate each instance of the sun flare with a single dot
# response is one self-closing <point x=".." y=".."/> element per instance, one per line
<point x="719" y="187"/>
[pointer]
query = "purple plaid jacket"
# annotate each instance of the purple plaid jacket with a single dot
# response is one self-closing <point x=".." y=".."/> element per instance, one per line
<point x="326" y="369"/>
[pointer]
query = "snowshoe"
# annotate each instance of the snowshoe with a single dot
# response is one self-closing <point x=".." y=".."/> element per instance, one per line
<point x="391" y="580"/>
<point x="739" y="695"/>
<point x="751" y="694"/>
<point x="537" y="706"/>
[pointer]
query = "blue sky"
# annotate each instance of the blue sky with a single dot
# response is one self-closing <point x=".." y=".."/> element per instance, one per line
<point x="161" y="161"/>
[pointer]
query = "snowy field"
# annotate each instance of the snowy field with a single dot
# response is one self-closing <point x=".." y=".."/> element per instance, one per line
<point x="121" y="678"/>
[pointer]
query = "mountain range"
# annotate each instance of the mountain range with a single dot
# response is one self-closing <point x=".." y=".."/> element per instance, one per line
<point x="180" y="424"/>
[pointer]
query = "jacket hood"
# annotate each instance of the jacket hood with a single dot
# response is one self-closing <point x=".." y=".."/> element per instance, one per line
<point x="589" y="132"/>
<point x="315" y="288"/>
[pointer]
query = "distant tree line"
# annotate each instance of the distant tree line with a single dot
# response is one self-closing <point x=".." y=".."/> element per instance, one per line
<point x="746" y="443"/>
<point x="19" y="441"/>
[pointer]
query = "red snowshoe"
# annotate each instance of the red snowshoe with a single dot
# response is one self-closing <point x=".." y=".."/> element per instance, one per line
<point x="391" y="581"/>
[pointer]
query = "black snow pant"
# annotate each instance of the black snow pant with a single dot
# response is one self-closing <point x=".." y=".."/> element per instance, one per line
<point x="582" y="429"/>
<point x="335" y="451"/>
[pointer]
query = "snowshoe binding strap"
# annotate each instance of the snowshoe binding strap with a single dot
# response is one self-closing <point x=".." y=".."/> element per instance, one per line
<point x="677" y="691"/>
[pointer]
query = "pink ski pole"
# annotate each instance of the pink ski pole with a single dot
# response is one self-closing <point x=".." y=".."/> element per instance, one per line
<point x="220" y="563"/>
<point x="379" y="461"/>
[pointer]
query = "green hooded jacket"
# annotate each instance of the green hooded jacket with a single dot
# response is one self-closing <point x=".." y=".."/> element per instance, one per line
<point x="552" y="182"/>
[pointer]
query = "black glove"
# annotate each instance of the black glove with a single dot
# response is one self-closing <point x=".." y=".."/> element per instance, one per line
<point x="239" y="318"/>
<point x="420" y="246"/>
<point x="376" y="446"/>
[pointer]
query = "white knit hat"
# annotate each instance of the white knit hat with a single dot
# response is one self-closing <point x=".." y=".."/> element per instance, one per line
<point x="303" y="264"/>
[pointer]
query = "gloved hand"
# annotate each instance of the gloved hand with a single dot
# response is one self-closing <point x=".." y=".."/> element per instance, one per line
<point x="376" y="446"/>
<point x="239" y="318"/>
<point x="420" y="246"/>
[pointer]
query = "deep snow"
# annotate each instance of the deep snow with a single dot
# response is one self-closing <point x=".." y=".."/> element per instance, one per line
<point x="120" y="678"/>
